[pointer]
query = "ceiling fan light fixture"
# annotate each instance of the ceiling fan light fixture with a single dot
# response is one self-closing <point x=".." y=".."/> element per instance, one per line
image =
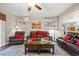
<point x="38" y="6"/>
<point x="29" y="9"/>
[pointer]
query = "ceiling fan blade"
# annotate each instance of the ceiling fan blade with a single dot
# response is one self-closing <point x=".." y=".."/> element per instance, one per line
<point x="38" y="6"/>
<point x="29" y="8"/>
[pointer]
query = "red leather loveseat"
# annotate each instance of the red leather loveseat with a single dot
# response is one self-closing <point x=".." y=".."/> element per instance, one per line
<point x="18" y="38"/>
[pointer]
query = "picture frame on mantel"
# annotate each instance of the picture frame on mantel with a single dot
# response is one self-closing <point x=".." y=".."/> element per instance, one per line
<point x="36" y="25"/>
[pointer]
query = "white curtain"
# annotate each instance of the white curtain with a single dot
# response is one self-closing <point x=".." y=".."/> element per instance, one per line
<point x="2" y="33"/>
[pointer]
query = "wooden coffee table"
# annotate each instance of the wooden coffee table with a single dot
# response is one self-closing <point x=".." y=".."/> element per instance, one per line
<point x="39" y="45"/>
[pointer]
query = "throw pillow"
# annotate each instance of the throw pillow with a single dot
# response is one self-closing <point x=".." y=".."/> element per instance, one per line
<point x="67" y="38"/>
<point x="39" y="32"/>
<point x="18" y="35"/>
<point x="42" y="39"/>
<point x="46" y="38"/>
<point x="45" y="34"/>
<point x="29" y="40"/>
<point x="33" y="35"/>
<point x="77" y="42"/>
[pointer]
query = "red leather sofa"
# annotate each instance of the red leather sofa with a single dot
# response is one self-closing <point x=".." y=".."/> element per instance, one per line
<point x="39" y="34"/>
<point x="18" y="38"/>
<point x="70" y="45"/>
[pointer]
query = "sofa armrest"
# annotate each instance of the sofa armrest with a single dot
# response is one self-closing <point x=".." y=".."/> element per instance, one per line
<point x="50" y="38"/>
<point x="60" y="37"/>
<point x="28" y="37"/>
<point x="11" y="37"/>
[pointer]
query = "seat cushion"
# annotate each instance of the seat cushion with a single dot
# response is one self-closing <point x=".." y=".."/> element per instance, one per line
<point x="15" y="40"/>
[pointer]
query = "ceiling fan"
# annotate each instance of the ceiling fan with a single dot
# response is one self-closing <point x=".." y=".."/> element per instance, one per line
<point x="34" y="5"/>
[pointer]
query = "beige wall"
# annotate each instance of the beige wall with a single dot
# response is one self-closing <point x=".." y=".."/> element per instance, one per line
<point x="28" y="27"/>
<point x="10" y="20"/>
<point x="68" y="13"/>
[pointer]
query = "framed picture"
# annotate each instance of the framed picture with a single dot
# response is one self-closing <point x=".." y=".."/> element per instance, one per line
<point x="36" y="25"/>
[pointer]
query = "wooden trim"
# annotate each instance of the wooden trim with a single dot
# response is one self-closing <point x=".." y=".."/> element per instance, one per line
<point x="77" y="32"/>
<point x="4" y="47"/>
<point x="2" y="16"/>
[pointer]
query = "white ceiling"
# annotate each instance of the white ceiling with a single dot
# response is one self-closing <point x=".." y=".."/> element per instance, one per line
<point x="48" y="9"/>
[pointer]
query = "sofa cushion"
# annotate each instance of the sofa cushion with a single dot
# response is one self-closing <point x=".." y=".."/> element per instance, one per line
<point x="67" y="38"/>
<point x="77" y="42"/>
<point x="29" y="40"/>
<point x="72" y="47"/>
<point x="71" y="41"/>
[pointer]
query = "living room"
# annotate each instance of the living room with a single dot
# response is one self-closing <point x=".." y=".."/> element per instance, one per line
<point x="40" y="27"/>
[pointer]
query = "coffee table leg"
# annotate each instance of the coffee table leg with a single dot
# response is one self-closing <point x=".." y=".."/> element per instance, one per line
<point x="53" y="49"/>
<point x="25" y="50"/>
<point x="39" y="51"/>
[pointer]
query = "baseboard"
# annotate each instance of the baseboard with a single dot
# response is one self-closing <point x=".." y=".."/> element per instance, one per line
<point x="4" y="47"/>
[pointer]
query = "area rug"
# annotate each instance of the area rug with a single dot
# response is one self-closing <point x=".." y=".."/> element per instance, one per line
<point x="18" y="50"/>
